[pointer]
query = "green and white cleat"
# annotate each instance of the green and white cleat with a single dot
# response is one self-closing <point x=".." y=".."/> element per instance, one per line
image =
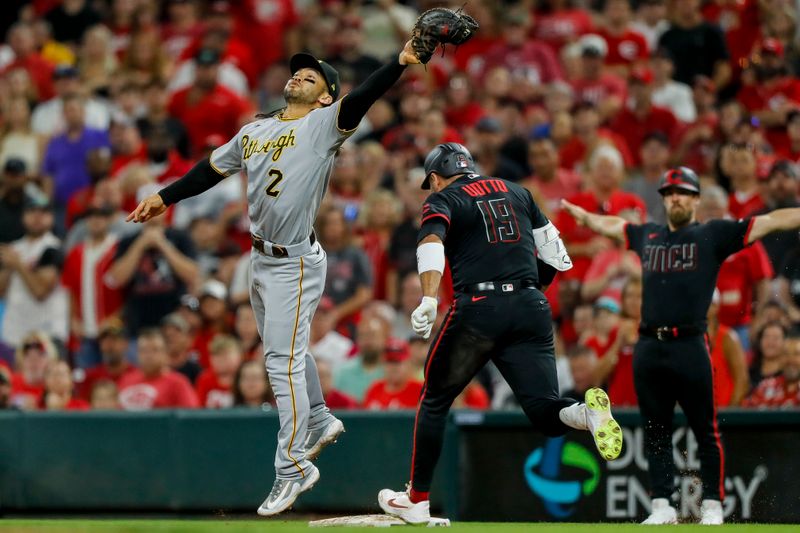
<point x="605" y="430"/>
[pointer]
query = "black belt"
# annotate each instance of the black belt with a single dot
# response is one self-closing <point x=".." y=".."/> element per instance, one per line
<point x="665" y="333"/>
<point x="277" y="250"/>
<point x="501" y="287"/>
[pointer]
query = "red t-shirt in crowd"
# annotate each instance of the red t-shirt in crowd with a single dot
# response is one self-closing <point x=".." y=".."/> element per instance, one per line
<point x="176" y="167"/>
<point x="465" y="116"/>
<point x="737" y="277"/>
<point x="217" y="112"/>
<point x="561" y="26"/>
<point x="634" y="129"/>
<point x="107" y="300"/>
<point x="565" y="184"/>
<point x="263" y="24"/>
<point x="24" y="393"/>
<point x="620" y="382"/>
<point x="774" y="392"/>
<point x="379" y="397"/>
<point x="101" y="373"/>
<point x="573" y="152"/>
<point x="625" y="49"/>
<point x="742" y="205"/>
<point x="338" y="400"/>
<point x="211" y="393"/>
<point x="618" y="201"/>
<point x="534" y="61"/>
<point x="468" y="57"/>
<point x="475" y="397"/>
<point x="602" y="262"/>
<point x="40" y="72"/>
<point x="168" y="389"/>
<point x="598" y="90"/>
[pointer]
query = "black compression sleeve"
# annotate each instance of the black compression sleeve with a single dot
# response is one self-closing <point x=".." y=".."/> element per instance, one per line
<point x="199" y="179"/>
<point x="357" y="102"/>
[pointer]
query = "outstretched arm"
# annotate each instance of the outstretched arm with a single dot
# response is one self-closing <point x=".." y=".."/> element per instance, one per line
<point x="778" y="220"/>
<point x="357" y="102"/>
<point x="609" y="226"/>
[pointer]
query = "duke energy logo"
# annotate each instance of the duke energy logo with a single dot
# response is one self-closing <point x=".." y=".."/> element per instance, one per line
<point x="543" y="474"/>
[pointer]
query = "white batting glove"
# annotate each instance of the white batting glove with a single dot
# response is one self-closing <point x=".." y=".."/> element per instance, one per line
<point x="424" y="316"/>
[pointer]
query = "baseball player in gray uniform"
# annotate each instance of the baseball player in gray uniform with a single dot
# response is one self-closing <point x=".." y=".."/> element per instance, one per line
<point x="288" y="157"/>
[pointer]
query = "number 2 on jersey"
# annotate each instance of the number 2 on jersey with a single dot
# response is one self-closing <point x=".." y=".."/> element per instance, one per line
<point x="271" y="190"/>
<point x="499" y="219"/>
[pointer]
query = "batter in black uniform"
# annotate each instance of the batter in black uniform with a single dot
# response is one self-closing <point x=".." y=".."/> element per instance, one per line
<point x="680" y="262"/>
<point x="491" y="231"/>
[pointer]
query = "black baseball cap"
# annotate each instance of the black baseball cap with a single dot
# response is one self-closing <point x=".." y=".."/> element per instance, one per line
<point x="784" y="166"/>
<point x="683" y="178"/>
<point x="207" y="57"/>
<point x="329" y="74"/>
<point x="37" y="201"/>
<point x="15" y="165"/>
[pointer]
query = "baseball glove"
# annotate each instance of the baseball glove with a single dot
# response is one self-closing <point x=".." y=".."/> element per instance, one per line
<point x="440" y="26"/>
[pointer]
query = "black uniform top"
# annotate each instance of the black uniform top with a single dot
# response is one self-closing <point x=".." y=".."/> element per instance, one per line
<point x="680" y="267"/>
<point x="486" y="225"/>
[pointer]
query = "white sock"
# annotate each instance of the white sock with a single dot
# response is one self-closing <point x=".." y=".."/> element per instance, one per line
<point x="574" y="416"/>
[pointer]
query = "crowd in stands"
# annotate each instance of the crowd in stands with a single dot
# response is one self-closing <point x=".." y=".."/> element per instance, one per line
<point x="103" y="102"/>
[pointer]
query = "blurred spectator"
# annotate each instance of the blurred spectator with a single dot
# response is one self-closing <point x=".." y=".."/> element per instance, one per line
<point x="15" y="193"/>
<point x="91" y="300"/>
<point x="410" y="297"/>
<point x="651" y="21"/>
<point x="418" y="349"/>
<point x="640" y="117"/>
<point x="582" y="363"/>
<point x="654" y="155"/>
<point x="738" y="162"/>
<point x="145" y="61"/>
<point x="610" y="270"/>
<point x="486" y="148"/>
<point x="154" y="385"/>
<point x="229" y="74"/>
<point x="768" y="353"/>
<point x="246" y="331"/>
<point x="474" y="396"/>
<point x="98" y="166"/>
<point x="49" y="119"/>
<point x="380" y="214"/>
<point x="251" y="386"/>
<point x="96" y="60"/>
<point x="127" y="148"/>
<point x="326" y="343"/>
<point x="349" y="279"/>
<point x="385" y="26"/>
<point x="30" y="270"/>
<point x="587" y="137"/>
<point x="269" y="26"/>
<point x="58" y="389"/>
<point x="353" y="61"/>
<point x="51" y="50"/>
<point x="559" y="22"/>
<point x="791" y="148"/>
<point x="461" y="109"/>
<point x="602" y="196"/>
<point x="179" y="339"/>
<point x="744" y="277"/>
<point x="782" y="390"/>
<point x="105" y="396"/>
<point x="699" y="142"/>
<point x="71" y="19"/>
<point x="21" y="40"/>
<point x="215" y="385"/>
<point x="526" y="59"/>
<point x="154" y="268"/>
<point x="668" y="93"/>
<point x="612" y="340"/>
<point x="105" y="193"/>
<point x="356" y="375"/>
<point x="550" y="180"/>
<point x="19" y="141"/>
<point x="697" y="47"/>
<point x="34" y="352"/>
<point x="153" y="125"/>
<point x="207" y="107"/>
<point x="64" y="165"/>
<point x="626" y="46"/>
<point x="731" y="382"/>
<point x="334" y="398"/>
<point x="113" y="345"/>
<point x="213" y="299"/>
<point x="398" y="389"/>
<point x="183" y="26"/>
<point x="603" y="89"/>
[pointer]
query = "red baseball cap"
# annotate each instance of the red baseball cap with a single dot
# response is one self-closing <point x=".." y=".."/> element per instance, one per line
<point x="771" y="45"/>
<point x="642" y="75"/>
<point x="326" y="304"/>
<point x="396" y="351"/>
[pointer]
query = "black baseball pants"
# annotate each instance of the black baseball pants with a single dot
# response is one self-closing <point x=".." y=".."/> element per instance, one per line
<point x="670" y="371"/>
<point x="515" y="331"/>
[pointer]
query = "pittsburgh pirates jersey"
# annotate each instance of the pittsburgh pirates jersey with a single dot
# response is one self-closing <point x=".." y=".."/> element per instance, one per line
<point x="288" y="164"/>
<point x="680" y="267"/>
<point x="487" y="227"/>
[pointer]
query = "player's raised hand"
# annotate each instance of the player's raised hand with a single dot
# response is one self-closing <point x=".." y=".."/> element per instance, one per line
<point x="578" y="213"/>
<point x="150" y="207"/>
<point x="407" y="56"/>
<point x="424" y="316"/>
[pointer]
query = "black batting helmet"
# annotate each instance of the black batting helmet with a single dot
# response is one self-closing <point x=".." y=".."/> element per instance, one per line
<point x="447" y="160"/>
<point x="679" y="178"/>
